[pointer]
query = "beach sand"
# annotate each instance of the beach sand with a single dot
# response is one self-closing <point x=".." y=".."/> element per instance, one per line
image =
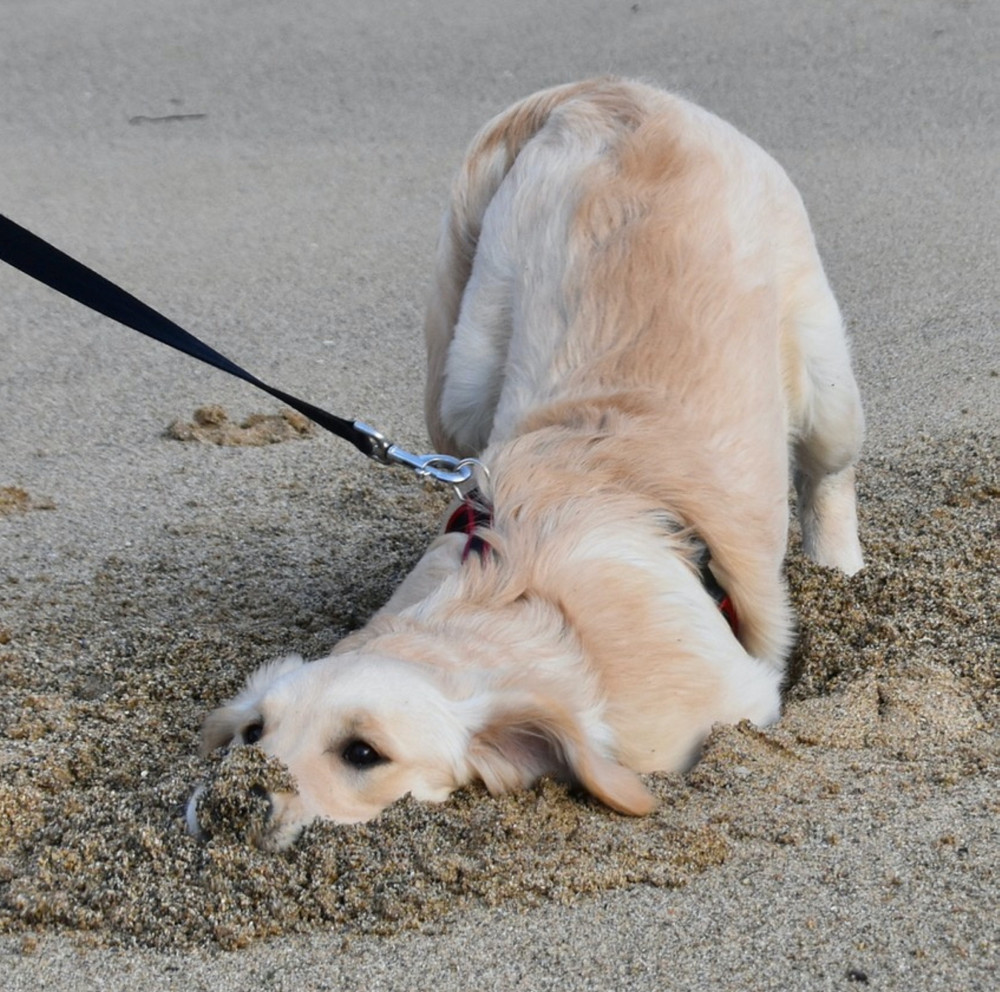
<point x="271" y="177"/>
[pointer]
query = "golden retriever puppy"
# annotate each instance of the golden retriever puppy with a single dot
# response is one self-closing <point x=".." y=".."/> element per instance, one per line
<point x="631" y="329"/>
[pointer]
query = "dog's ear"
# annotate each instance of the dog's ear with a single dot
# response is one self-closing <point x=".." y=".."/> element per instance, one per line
<point x="269" y="673"/>
<point x="220" y="727"/>
<point x="223" y="724"/>
<point x="527" y="735"/>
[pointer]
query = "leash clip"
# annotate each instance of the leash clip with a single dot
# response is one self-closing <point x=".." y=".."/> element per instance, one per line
<point x="446" y="469"/>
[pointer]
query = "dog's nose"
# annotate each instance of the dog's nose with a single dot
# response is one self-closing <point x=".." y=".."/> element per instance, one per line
<point x="258" y="792"/>
<point x="260" y="799"/>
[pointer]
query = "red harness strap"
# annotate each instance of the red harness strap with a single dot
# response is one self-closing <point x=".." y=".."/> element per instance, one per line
<point x="729" y="612"/>
<point x="468" y="517"/>
<point x="721" y="597"/>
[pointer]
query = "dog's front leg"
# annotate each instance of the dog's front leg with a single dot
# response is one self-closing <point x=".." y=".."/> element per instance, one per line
<point x="441" y="559"/>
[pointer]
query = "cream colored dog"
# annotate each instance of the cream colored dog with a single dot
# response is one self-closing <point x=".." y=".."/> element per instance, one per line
<point x="631" y="328"/>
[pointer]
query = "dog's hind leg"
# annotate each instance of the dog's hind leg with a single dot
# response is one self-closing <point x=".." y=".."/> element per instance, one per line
<point x="828" y="424"/>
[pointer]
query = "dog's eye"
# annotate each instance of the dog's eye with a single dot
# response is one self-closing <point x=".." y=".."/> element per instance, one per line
<point x="361" y="754"/>
<point x="254" y="732"/>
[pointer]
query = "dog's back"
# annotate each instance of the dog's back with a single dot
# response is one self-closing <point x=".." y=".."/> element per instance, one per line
<point x="615" y="254"/>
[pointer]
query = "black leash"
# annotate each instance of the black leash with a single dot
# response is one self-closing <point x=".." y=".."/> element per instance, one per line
<point x="46" y="263"/>
<point x="57" y="270"/>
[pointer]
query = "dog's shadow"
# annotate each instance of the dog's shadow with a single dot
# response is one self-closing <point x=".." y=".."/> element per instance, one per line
<point x="304" y="584"/>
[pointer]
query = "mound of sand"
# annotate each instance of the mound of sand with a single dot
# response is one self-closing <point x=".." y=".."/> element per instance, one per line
<point x="211" y="424"/>
<point x="895" y="690"/>
<point x="14" y="499"/>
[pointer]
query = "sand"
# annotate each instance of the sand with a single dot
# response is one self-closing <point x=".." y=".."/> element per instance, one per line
<point x="895" y="682"/>
<point x="284" y="206"/>
<point x="894" y="700"/>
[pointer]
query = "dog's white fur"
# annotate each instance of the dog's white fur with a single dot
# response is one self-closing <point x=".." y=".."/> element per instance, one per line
<point x="631" y="327"/>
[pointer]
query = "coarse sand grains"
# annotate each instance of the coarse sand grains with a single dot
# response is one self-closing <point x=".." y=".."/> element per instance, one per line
<point x="894" y="692"/>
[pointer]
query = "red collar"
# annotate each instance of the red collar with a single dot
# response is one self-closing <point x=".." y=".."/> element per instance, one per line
<point x="467" y="518"/>
<point x="474" y="512"/>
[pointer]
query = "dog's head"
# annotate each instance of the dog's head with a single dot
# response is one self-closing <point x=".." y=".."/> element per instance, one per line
<point x="359" y="731"/>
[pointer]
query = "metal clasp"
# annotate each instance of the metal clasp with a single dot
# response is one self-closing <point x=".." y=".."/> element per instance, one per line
<point x="446" y="469"/>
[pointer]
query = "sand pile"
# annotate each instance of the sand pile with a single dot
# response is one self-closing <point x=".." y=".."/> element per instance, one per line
<point x="211" y="424"/>
<point x="895" y="695"/>
<point x="14" y="499"/>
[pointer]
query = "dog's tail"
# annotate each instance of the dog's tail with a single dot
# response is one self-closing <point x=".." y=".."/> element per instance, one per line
<point x="488" y="160"/>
